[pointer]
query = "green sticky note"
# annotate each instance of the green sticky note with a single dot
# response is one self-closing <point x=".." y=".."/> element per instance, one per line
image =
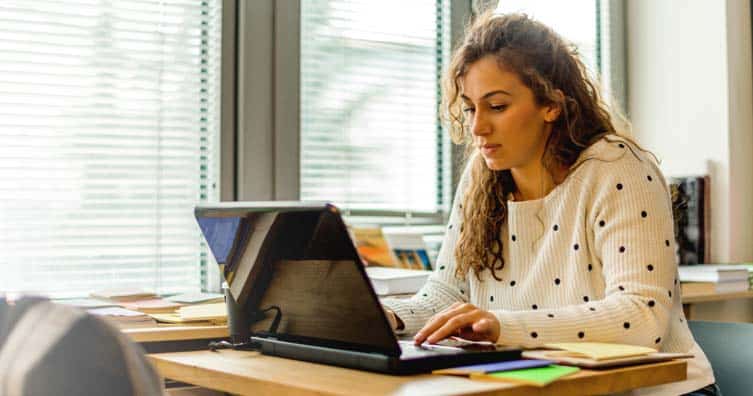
<point x="539" y="376"/>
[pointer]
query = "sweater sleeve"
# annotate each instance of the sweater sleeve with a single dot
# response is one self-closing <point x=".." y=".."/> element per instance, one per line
<point x="630" y="222"/>
<point x="443" y="288"/>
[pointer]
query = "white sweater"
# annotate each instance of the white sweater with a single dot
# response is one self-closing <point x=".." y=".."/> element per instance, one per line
<point x="594" y="260"/>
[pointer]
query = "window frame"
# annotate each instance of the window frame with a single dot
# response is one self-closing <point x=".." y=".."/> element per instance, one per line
<point x="261" y="121"/>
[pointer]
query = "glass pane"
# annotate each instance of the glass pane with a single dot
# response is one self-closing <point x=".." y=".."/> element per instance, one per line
<point x="369" y="132"/>
<point x="109" y="127"/>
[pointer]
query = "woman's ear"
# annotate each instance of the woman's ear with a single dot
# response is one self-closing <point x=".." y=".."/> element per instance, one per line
<point x="554" y="109"/>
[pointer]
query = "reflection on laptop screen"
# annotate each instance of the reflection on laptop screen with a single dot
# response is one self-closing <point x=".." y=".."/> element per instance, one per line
<point x="302" y="260"/>
<point x="220" y="233"/>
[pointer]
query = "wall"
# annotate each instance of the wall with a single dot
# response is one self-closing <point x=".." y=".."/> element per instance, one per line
<point x="690" y="98"/>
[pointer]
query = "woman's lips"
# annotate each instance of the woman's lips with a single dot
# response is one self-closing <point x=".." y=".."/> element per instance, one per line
<point x="488" y="149"/>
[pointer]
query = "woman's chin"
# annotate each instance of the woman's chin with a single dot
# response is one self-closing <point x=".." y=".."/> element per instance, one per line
<point x="495" y="164"/>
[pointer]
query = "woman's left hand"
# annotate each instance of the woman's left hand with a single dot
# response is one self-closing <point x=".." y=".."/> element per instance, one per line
<point x="463" y="320"/>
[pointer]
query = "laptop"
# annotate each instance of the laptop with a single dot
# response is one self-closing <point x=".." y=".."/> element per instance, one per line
<point x="297" y="260"/>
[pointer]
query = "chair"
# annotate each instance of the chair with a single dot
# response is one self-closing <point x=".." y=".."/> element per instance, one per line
<point x="728" y="347"/>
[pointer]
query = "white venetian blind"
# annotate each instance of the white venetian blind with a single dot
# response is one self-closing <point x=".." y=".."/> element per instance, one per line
<point x="109" y="117"/>
<point x="370" y="138"/>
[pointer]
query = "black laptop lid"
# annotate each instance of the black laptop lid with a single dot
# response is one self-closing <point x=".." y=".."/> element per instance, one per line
<point x="300" y="258"/>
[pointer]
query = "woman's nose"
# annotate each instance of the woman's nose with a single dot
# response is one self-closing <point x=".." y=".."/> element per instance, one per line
<point x="479" y="125"/>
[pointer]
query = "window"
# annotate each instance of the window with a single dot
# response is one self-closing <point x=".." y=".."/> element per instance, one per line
<point x="370" y="138"/>
<point x="109" y="118"/>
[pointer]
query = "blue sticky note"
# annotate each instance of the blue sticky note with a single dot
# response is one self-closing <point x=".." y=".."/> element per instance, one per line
<point x="495" y="367"/>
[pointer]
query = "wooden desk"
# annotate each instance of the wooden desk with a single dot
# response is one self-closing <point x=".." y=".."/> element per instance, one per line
<point x="699" y="298"/>
<point x="689" y="299"/>
<point x="177" y="333"/>
<point x="249" y="373"/>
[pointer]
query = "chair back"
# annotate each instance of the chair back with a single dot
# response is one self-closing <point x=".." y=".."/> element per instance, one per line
<point x="729" y="347"/>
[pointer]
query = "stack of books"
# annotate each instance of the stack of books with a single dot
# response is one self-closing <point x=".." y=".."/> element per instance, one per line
<point x="715" y="278"/>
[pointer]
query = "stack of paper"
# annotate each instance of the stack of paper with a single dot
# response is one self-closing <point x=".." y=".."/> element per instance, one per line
<point x="387" y="281"/>
<point x="215" y="313"/>
<point x="123" y="295"/>
<point x="197" y="298"/>
<point x="714" y="278"/>
<point x="152" y="305"/>
<point x="124" y="318"/>
<point x="87" y="303"/>
<point x="599" y="355"/>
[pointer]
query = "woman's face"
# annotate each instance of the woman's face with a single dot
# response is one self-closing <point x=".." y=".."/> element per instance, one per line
<point x="509" y="129"/>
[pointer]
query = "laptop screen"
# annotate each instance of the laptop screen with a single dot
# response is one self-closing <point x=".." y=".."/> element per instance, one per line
<point x="300" y="258"/>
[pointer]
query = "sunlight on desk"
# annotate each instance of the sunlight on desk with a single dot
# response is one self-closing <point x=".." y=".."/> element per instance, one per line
<point x="248" y="373"/>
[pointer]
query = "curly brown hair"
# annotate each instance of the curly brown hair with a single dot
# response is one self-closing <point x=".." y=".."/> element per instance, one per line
<point x="551" y="68"/>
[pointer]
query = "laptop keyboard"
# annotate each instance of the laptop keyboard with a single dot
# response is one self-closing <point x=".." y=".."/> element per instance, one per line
<point x="409" y="349"/>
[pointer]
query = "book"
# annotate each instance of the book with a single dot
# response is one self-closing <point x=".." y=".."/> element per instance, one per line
<point x="494" y="367"/>
<point x="410" y="250"/>
<point x="691" y="288"/>
<point x="122" y="294"/>
<point x="712" y="273"/>
<point x="373" y="247"/>
<point x="692" y="217"/>
<point x="557" y="357"/>
<point x="388" y="281"/>
<point x="538" y="376"/>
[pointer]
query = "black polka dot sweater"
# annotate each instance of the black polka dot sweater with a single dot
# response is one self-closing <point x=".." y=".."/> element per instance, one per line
<point x="591" y="261"/>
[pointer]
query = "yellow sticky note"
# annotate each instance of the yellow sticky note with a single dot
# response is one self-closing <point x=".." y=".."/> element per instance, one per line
<point x="600" y="350"/>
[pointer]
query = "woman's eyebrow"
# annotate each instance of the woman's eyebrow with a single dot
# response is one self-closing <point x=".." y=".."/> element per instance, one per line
<point x="488" y="94"/>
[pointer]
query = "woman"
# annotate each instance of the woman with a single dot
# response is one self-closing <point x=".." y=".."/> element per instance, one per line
<point x="561" y="229"/>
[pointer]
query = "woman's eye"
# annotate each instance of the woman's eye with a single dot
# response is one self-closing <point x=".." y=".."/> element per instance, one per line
<point x="498" y="107"/>
<point x="469" y="110"/>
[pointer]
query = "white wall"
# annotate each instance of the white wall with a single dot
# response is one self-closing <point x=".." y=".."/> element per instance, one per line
<point x="690" y="98"/>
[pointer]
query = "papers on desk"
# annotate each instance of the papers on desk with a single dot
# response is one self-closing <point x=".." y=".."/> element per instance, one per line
<point x="389" y="281"/>
<point x="599" y="350"/>
<point x="197" y="298"/>
<point x="123" y="294"/>
<point x="124" y="318"/>
<point x="600" y="355"/>
<point x="87" y="303"/>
